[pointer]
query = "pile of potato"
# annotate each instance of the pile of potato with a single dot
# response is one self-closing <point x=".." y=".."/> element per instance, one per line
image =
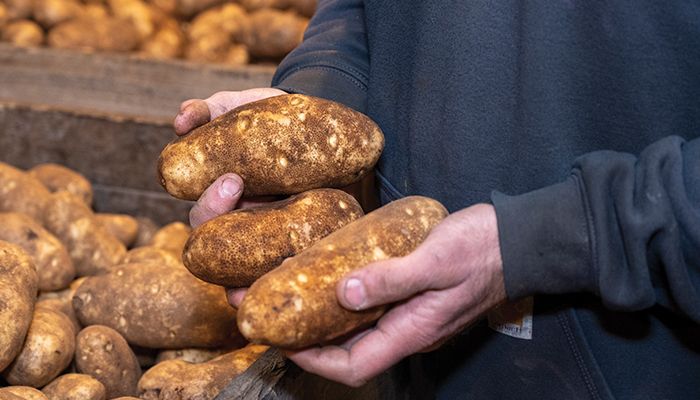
<point x="292" y="253"/>
<point x="100" y="306"/>
<point x="216" y="31"/>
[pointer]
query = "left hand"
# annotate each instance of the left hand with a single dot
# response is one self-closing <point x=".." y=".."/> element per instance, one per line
<point x="448" y="282"/>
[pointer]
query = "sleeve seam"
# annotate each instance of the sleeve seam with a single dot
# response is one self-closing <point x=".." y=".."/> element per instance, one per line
<point x="329" y="68"/>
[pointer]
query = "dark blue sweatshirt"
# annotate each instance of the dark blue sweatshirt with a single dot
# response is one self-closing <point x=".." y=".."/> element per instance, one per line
<point x="587" y="114"/>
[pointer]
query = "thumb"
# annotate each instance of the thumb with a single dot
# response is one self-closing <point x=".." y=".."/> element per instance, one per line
<point x="384" y="282"/>
<point x="219" y="198"/>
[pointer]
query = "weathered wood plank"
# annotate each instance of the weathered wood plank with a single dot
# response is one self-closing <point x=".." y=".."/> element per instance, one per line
<point x="116" y="83"/>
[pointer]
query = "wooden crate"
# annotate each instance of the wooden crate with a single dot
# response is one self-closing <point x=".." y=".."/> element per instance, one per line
<point x="108" y="117"/>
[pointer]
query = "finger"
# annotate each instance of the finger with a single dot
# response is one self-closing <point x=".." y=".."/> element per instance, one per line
<point x="385" y="282"/>
<point x="235" y="296"/>
<point x="394" y="338"/>
<point x="192" y="115"/>
<point x="223" y="102"/>
<point x="219" y="198"/>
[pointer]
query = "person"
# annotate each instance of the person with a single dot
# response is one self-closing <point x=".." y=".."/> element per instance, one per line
<point x="588" y="116"/>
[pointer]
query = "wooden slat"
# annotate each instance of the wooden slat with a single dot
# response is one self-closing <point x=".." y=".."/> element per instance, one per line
<point x="115" y="83"/>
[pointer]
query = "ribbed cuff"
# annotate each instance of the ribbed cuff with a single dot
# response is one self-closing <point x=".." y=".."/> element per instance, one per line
<point x="544" y="238"/>
<point x="326" y="82"/>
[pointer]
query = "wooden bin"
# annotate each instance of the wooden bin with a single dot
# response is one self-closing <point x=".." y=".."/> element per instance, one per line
<point x="108" y="117"/>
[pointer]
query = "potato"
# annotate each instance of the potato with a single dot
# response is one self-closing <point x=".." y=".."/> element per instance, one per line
<point x="65" y="294"/>
<point x="191" y="355"/>
<point x="295" y="305"/>
<point x="188" y="8"/>
<point x="23" y="33"/>
<point x="78" y="34"/>
<point x="274" y="33"/>
<point x="18" y="288"/>
<point x="228" y="21"/>
<point x="47" y="350"/>
<point x="237" y="55"/>
<point x="108" y="34"/>
<point x="306" y="8"/>
<point x="57" y="177"/>
<point x="53" y="264"/>
<point x="91" y="247"/>
<point x="4" y="15"/>
<point x="167" y="6"/>
<point x="147" y="228"/>
<point x="178" y="379"/>
<point x="212" y="48"/>
<point x="142" y="16"/>
<point x="52" y="12"/>
<point x="21" y="193"/>
<point x="19" y="9"/>
<point x="75" y="387"/>
<point x="62" y="305"/>
<point x="22" y="393"/>
<point x="104" y="354"/>
<point x="172" y="237"/>
<point x="121" y="226"/>
<point x="281" y="145"/>
<point x="235" y="249"/>
<point x="95" y="11"/>
<point x="167" y="42"/>
<point x="152" y="254"/>
<point x="254" y="5"/>
<point x="116" y="34"/>
<point x="156" y="306"/>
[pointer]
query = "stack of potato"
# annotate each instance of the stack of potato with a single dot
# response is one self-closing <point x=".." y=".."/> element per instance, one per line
<point x="292" y="253"/>
<point x="90" y="300"/>
<point x="216" y="31"/>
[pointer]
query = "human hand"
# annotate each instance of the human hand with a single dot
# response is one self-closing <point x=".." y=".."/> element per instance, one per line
<point x="197" y="112"/>
<point x="224" y="194"/>
<point x="448" y="282"/>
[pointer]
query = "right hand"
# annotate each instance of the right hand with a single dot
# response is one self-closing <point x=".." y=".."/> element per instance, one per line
<point x="197" y="112"/>
<point x="225" y="193"/>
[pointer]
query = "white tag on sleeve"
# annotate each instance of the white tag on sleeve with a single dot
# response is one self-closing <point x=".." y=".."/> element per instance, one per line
<point x="513" y="318"/>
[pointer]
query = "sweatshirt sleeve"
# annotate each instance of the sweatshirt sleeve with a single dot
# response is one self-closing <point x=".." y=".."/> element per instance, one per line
<point x="624" y="228"/>
<point x="332" y="62"/>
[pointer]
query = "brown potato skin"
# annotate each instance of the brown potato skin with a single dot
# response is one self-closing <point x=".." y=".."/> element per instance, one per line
<point x="147" y="228"/>
<point x="48" y="349"/>
<point x="172" y="237"/>
<point x="104" y="354"/>
<point x="75" y="387"/>
<point x="22" y="393"/>
<point x="53" y="264"/>
<point x="156" y="306"/>
<point x="63" y="305"/>
<point x="152" y="254"/>
<point x="18" y="290"/>
<point x="57" y="177"/>
<point x="235" y="249"/>
<point x="285" y="144"/>
<point x="92" y="248"/>
<point x="179" y="380"/>
<point x="274" y="33"/>
<point x="21" y="193"/>
<point x="295" y="305"/>
<point x="23" y="32"/>
<point x="123" y="227"/>
<point x="191" y="355"/>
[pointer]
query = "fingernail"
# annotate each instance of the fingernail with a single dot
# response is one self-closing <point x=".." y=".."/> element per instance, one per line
<point x="355" y="293"/>
<point x="229" y="187"/>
